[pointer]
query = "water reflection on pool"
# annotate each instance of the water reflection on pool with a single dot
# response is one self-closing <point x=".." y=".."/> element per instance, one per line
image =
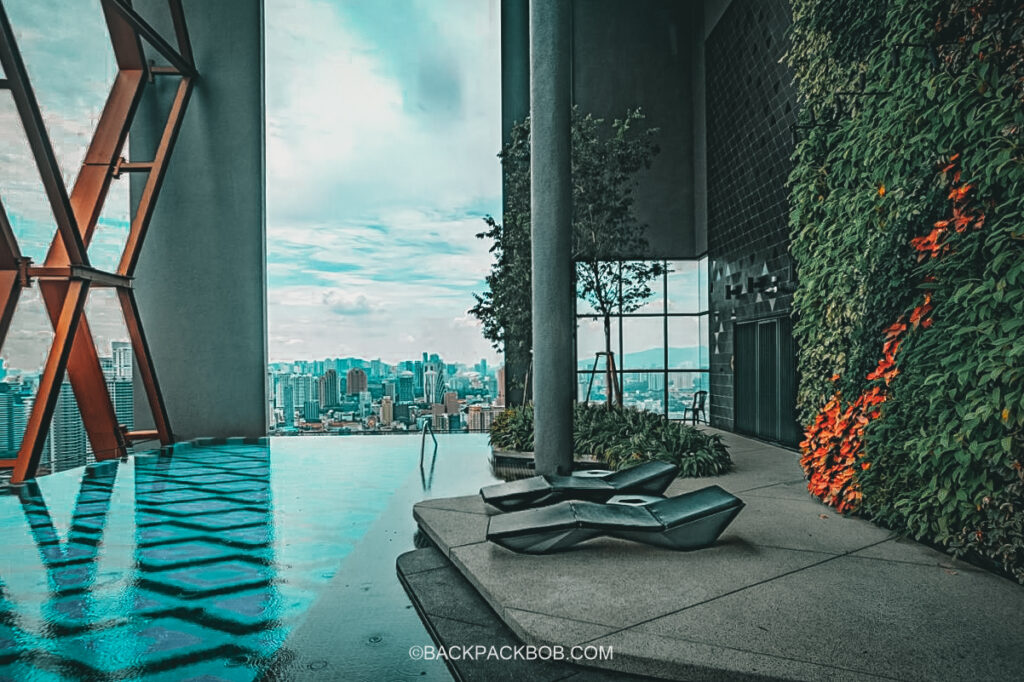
<point x="201" y="563"/>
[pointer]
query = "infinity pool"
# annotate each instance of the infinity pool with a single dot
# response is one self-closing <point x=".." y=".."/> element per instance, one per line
<point x="210" y="562"/>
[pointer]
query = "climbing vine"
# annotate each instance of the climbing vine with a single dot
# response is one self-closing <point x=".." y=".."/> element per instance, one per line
<point x="909" y="317"/>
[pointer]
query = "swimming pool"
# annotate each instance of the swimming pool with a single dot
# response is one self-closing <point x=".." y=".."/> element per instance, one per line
<point x="208" y="562"/>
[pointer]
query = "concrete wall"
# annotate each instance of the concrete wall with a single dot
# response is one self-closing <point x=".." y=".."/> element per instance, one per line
<point x="639" y="53"/>
<point x="201" y="279"/>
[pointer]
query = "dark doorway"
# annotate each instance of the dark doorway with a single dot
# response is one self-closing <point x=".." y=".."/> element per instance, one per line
<point x="765" y="380"/>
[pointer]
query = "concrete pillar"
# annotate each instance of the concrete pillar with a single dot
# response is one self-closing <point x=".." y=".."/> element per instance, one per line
<point x="201" y="282"/>
<point x="554" y="379"/>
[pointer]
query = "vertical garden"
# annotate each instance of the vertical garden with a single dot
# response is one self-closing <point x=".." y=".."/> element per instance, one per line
<point x="907" y="217"/>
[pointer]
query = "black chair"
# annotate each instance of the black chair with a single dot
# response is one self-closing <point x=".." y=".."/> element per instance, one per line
<point x="649" y="478"/>
<point x="689" y="521"/>
<point x="700" y="398"/>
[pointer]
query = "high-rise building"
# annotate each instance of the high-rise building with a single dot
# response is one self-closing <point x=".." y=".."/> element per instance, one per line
<point x="390" y="388"/>
<point x="67" y="433"/>
<point x="406" y="387"/>
<point x="123" y="397"/>
<point x="434" y="381"/>
<point x="311" y="411"/>
<point x="288" y="403"/>
<point x="430" y="386"/>
<point x="329" y="389"/>
<point x="13" y="416"/>
<point x="387" y="411"/>
<point x="480" y="417"/>
<point x="355" y="381"/>
<point x="451" y="402"/>
<point x="122" y="352"/>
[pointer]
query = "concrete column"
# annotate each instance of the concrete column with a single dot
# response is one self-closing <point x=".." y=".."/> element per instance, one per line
<point x="201" y="282"/>
<point x="551" y="214"/>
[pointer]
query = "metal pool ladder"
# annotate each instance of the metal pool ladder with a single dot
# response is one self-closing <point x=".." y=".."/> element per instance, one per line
<point x="426" y="479"/>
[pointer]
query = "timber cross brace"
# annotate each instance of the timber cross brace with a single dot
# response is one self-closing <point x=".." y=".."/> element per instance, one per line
<point x="66" y="276"/>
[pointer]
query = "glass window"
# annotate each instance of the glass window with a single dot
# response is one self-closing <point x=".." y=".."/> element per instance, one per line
<point x="684" y="343"/>
<point x="682" y="387"/>
<point x="590" y="340"/>
<point x="654" y="304"/>
<point x="643" y="342"/>
<point x="684" y="287"/>
<point x="673" y="318"/>
<point x="644" y="390"/>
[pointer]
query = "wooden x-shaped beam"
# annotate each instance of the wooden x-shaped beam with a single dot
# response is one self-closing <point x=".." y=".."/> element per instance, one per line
<point x="66" y="275"/>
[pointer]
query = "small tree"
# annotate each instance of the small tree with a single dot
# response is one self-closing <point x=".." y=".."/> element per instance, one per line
<point x="605" y="162"/>
<point x="604" y="227"/>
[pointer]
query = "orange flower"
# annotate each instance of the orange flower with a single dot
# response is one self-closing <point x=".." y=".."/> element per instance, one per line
<point x="881" y="190"/>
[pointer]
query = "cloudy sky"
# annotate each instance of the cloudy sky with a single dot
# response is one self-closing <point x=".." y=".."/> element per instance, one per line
<point x="383" y="122"/>
<point x="383" y="125"/>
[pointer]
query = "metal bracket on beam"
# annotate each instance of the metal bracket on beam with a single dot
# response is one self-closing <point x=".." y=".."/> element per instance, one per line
<point x="25" y="271"/>
<point x="97" y="278"/>
<point x="141" y="435"/>
<point x="125" y="166"/>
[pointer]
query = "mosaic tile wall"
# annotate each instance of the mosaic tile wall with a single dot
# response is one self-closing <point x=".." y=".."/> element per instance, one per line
<point x="751" y="105"/>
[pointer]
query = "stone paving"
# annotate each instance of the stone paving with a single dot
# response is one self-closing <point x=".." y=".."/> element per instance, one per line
<point x="791" y="591"/>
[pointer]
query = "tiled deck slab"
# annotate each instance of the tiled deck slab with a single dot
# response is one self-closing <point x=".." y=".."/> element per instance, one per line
<point x="791" y="591"/>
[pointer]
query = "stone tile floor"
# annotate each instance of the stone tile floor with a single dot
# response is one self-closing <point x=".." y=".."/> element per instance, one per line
<point x="791" y="591"/>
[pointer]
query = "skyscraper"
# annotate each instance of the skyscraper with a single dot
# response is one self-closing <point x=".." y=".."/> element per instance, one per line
<point x="434" y="381"/>
<point x="67" y="433"/>
<point x="406" y="387"/>
<point x="451" y="402"/>
<point x="289" y="404"/>
<point x="122" y="396"/>
<point x="122" y="352"/>
<point x="355" y="381"/>
<point x="12" y="418"/>
<point x="430" y="378"/>
<point x="329" y="389"/>
<point x="387" y="411"/>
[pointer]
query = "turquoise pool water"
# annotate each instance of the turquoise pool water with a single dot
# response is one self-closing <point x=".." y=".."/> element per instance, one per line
<point x="201" y="564"/>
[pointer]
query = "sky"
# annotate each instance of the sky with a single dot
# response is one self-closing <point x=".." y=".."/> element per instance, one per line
<point x="383" y="126"/>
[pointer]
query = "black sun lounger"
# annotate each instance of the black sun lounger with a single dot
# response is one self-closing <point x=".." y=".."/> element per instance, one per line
<point x="649" y="478"/>
<point x="690" y="521"/>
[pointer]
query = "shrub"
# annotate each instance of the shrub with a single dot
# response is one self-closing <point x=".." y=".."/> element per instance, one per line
<point x="622" y="437"/>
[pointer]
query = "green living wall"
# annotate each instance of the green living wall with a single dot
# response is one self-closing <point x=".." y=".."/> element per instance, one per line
<point x="907" y="216"/>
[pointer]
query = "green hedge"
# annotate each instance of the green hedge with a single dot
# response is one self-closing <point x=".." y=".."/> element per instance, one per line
<point x="941" y="80"/>
<point x="622" y="437"/>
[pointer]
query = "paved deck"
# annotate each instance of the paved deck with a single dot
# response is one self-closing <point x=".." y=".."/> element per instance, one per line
<point x="791" y="591"/>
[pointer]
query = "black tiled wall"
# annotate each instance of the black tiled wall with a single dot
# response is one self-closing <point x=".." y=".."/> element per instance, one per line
<point x="751" y="105"/>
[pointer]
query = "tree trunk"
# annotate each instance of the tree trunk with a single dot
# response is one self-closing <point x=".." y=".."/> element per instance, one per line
<point x="516" y="367"/>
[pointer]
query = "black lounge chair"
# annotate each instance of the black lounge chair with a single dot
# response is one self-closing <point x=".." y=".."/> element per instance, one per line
<point x="649" y="478"/>
<point x="689" y="521"/>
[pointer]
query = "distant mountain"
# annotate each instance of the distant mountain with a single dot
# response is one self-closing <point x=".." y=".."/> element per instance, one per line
<point x="653" y="358"/>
